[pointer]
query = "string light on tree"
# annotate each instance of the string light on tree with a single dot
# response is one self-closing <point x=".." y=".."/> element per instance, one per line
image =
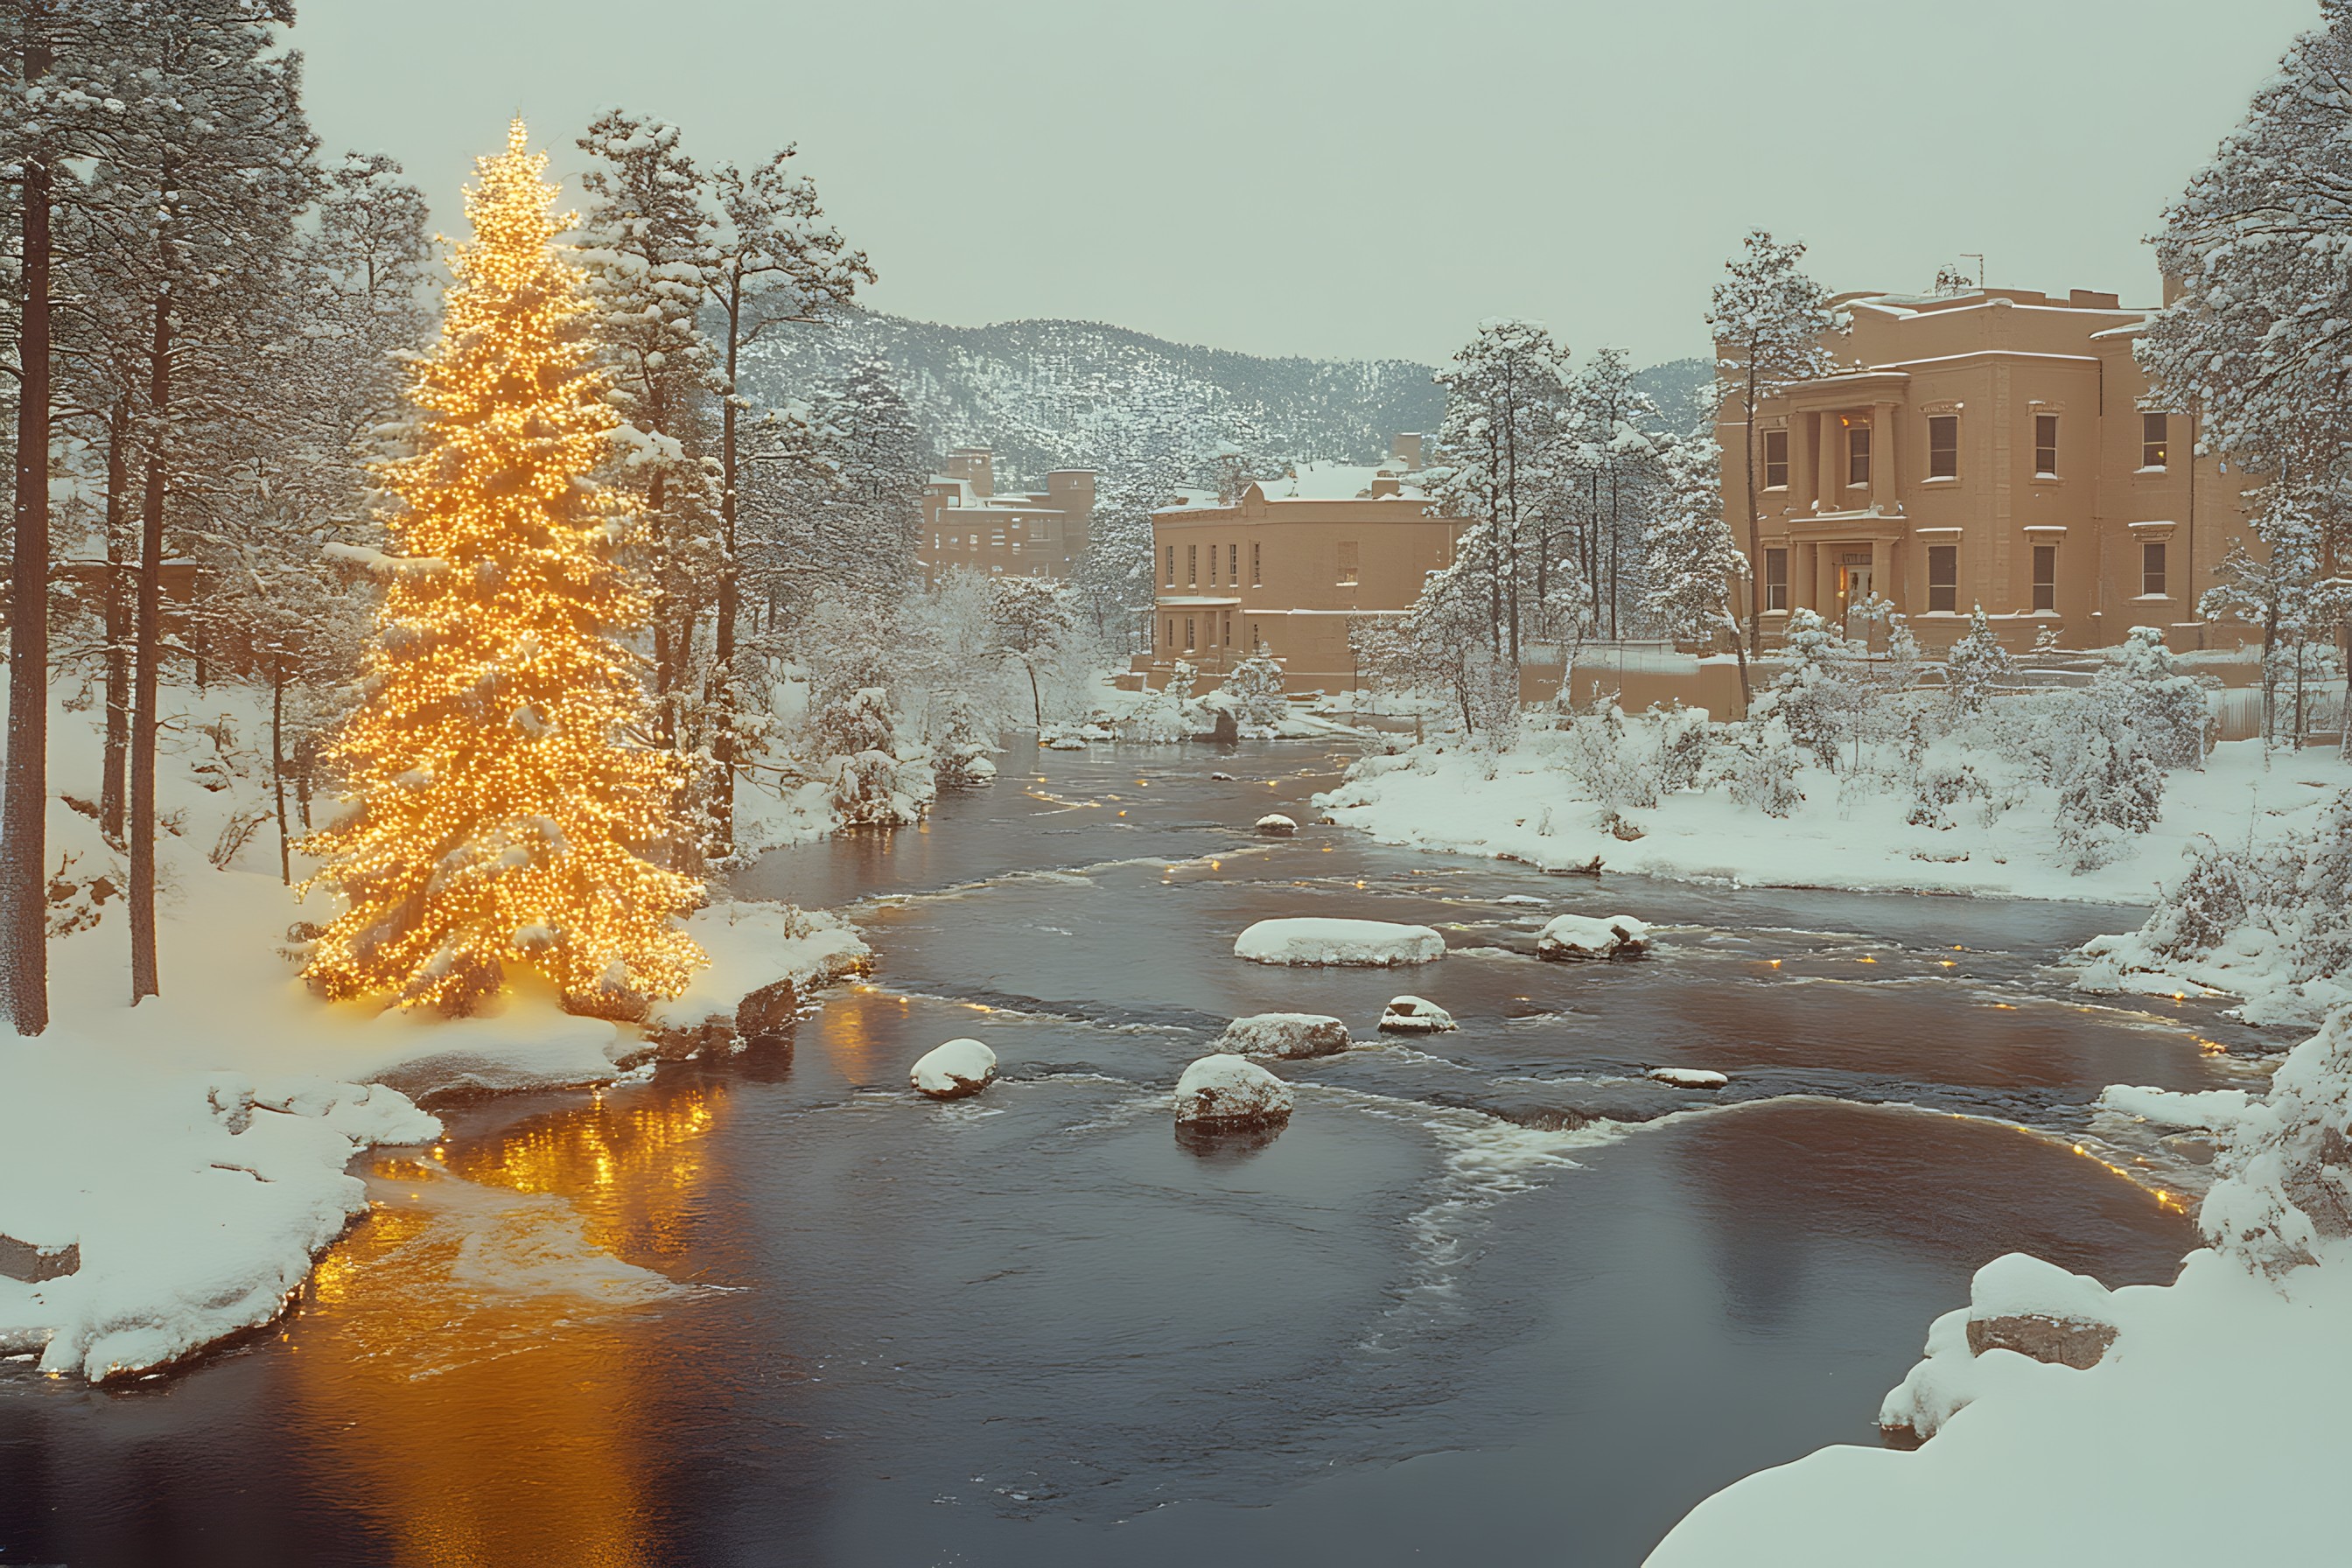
<point x="502" y="803"/>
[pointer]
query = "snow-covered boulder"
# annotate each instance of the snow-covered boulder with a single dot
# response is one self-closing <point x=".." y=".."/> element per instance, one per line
<point x="1226" y="1093"/>
<point x="2017" y="1302"/>
<point x="1274" y="825"/>
<point x="1223" y="777"/>
<point x="1689" y="1078"/>
<point x="1290" y="1035"/>
<point x="1363" y="943"/>
<point x="1415" y="1015"/>
<point x="1569" y="937"/>
<point x="951" y="1071"/>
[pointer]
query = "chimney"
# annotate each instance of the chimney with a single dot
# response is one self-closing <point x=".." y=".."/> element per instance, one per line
<point x="1404" y="449"/>
<point x="1071" y="492"/>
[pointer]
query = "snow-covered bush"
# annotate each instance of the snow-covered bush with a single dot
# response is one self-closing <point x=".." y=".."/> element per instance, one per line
<point x="962" y="747"/>
<point x="870" y="783"/>
<point x="2284" y="1176"/>
<point x="1765" y="776"/>
<point x="1685" y="745"/>
<point x="1255" y="687"/>
<point x="2163" y="708"/>
<point x="1607" y="760"/>
<point x="1937" y="787"/>
<point x="1977" y="666"/>
<point x="2110" y="792"/>
<point x="1169" y="713"/>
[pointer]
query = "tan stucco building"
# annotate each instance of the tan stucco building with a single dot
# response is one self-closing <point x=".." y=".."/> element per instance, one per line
<point x="966" y="524"/>
<point x="1288" y="565"/>
<point x="1988" y="448"/>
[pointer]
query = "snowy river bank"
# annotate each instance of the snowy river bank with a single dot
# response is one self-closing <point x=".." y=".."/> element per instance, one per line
<point x="1490" y="1293"/>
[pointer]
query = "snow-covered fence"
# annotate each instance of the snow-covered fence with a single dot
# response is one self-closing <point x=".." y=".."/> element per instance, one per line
<point x="2238" y="710"/>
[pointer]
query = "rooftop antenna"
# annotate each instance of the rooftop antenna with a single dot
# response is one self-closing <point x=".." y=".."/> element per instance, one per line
<point x="1977" y="256"/>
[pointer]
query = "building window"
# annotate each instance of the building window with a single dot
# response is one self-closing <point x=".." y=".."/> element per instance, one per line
<point x="2046" y="445"/>
<point x="1016" y="547"/>
<point x="1212" y="566"/>
<point x="1234" y="564"/>
<point x="2151" y="571"/>
<point x="1225" y="628"/>
<point x="1347" y="568"/>
<point x="1943" y="446"/>
<point x="1857" y="455"/>
<point x="2155" y="451"/>
<point x="1943" y="577"/>
<point x="1192" y="574"/>
<point x="1256" y="642"/>
<point x="1776" y="579"/>
<point x="1776" y="460"/>
<point x="2045" y="575"/>
<point x="1171" y="632"/>
<point x="1257" y="564"/>
<point x="1172" y="573"/>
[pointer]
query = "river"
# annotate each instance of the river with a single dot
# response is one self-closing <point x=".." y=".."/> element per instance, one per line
<point x="1490" y="1294"/>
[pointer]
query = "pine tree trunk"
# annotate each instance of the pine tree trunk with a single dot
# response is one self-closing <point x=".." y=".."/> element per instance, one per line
<point x="147" y="654"/>
<point x="278" y="764"/>
<point x="23" y="801"/>
<point x="118" y="627"/>
<point x="722" y="649"/>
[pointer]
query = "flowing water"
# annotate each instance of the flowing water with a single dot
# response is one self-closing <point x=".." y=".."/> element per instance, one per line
<point x="1491" y="1293"/>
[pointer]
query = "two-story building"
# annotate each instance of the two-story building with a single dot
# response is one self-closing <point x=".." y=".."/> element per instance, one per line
<point x="1286" y="566"/>
<point x="966" y="524"/>
<point x="1992" y="447"/>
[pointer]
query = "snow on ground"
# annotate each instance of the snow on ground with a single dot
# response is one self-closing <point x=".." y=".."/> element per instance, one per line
<point x="1338" y="941"/>
<point x="1843" y="834"/>
<point x="2211" y="1431"/>
<point x="194" y="1147"/>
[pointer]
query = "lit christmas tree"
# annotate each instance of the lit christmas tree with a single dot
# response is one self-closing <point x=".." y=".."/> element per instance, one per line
<point x="501" y="804"/>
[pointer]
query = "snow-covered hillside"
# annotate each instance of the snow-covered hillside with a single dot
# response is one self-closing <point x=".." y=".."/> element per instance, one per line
<point x="1048" y="394"/>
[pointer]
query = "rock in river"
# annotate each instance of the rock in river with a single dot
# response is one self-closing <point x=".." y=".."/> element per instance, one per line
<point x="1274" y="825"/>
<point x="1285" y="1034"/>
<point x="1370" y="944"/>
<point x="1416" y="1015"/>
<point x="1572" y="937"/>
<point x="954" y="1070"/>
<point x="1226" y="1093"/>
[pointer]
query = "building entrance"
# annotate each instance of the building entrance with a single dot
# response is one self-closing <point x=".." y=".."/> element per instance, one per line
<point x="1853" y="593"/>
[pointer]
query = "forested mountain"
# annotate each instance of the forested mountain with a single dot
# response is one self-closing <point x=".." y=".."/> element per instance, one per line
<point x="1048" y="394"/>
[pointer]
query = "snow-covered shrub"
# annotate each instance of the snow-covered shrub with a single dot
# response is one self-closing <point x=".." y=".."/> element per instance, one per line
<point x="1255" y="687"/>
<point x="870" y="783"/>
<point x="1683" y="746"/>
<point x="1938" y="787"/>
<point x="1807" y="694"/>
<point x="2221" y="889"/>
<point x="1606" y="761"/>
<point x="1765" y="777"/>
<point x="2110" y="792"/>
<point x="962" y="747"/>
<point x="2284" y="1176"/>
<point x="2164" y="708"/>
<point x="1977" y="666"/>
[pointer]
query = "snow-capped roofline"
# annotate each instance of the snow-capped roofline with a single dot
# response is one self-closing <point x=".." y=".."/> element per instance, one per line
<point x="1910" y="305"/>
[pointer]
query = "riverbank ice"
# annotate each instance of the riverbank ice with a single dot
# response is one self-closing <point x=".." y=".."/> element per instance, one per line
<point x="1226" y="1093"/>
<point x="1342" y="943"/>
<point x="954" y="1070"/>
<point x="1293" y="1035"/>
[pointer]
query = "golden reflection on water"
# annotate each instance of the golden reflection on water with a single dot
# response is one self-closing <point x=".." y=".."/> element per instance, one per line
<point x="467" y="1370"/>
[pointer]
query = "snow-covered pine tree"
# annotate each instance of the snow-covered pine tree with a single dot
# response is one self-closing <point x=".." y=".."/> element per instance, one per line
<point x="643" y="244"/>
<point x="2146" y="692"/>
<point x="1612" y="429"/>
<point x="1772" y="325"/>
<point x="1695" y="567"/>
<point x="2287" y="588"/>
<point x="873" y="444"/>
<point x="500" y="802"/>
<point x="770" y="258"/>
<point x="195" y="191"/>
<point x="1259" y="706"/>
<point x="1496" y="457"/>
<point x="2109" y="792"/>
<point x="1977" y="666"/>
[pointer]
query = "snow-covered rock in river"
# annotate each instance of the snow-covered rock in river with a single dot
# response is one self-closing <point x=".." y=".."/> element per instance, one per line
<point x="951" y="1071"/>
<point x="2017" y="1302"/>
<point x="1223" y="778"/>
<point x="764" y="959"/>
<point x="1277" y="824"/>
<point x="1362" y="944"/>
<point x="1573" y="937"/>
<point x="1415" y="1015"/>
<point x="1285" y="1034"/>
<point x="1689" y="1078"/>
<point x="1226" y="1093"/>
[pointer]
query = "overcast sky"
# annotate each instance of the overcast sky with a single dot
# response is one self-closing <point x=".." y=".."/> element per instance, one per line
<point x="1362" y="179"/>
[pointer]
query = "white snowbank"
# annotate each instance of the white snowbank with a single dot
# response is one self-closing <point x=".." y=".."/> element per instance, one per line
<point x="1416" y="1015"/>
<point x="1378" y="944"/>
<point x="953" y="1071"/>
<point x="2216" y="1109"/>
<point x="1592" y="936"/>
<point x="1689" y="1078"/>
<point x="2048" y="1464"/>
<point x="1226" y="1092"/>
<point x="196" y="1200"/>
<point x="764" y="958"/>
<point x="1846" y="833"/>
<point x="1284" y="1035"/>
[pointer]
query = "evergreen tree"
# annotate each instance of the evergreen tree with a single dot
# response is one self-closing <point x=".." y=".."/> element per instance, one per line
<point x="498" y="799"/>
<point x="1977" y="664"/>
<point x="873" y="444"/>
<point x="1695" y="566"/>
<point x="1770" y="322"/>
<point x="1496" y="455"/>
